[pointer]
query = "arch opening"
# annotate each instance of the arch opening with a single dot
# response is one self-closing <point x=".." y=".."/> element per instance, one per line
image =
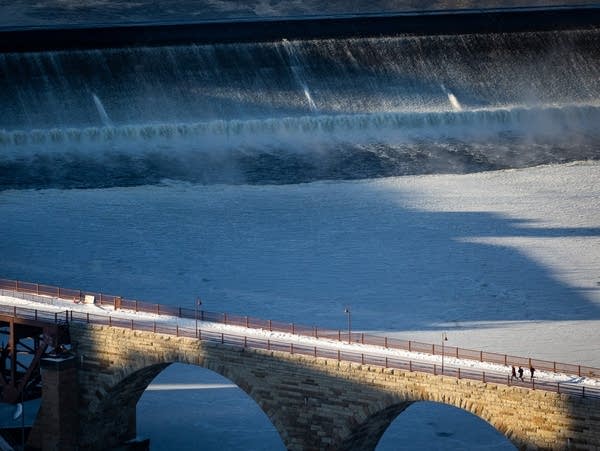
<point x="438" y="426"/>
<point x="187" y="407"/>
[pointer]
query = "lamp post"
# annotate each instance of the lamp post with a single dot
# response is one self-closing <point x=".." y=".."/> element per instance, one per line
<point x="347" y="312"/>
<point x="198" y="304"/>
<point x="444" y="338"/>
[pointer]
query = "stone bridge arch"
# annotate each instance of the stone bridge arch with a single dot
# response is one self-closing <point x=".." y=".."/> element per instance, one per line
<point x="314" y="403"/>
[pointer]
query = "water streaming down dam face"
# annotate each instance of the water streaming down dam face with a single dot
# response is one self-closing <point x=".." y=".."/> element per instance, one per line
<point x="295" y="111"/>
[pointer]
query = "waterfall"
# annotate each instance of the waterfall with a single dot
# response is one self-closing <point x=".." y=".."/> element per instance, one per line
<point x="456" y="106"/>
<point x="296" y="68"/>
<point x="301" y="110"/>
<point x="271" y="80"/>
<point x="101" y="111"/>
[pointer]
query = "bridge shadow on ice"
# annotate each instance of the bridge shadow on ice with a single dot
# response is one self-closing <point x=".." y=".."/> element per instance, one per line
<point x="295" y="253"/>
<point x="301" y="253"/>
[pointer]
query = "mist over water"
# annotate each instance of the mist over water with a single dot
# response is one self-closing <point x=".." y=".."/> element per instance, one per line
<point x="296" y="111"/>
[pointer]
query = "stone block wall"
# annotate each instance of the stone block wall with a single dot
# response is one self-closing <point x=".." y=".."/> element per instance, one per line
<point x="314" y="403"/>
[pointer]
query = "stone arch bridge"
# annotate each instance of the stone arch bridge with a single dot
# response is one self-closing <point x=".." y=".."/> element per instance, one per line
<point x="316" y="403"/>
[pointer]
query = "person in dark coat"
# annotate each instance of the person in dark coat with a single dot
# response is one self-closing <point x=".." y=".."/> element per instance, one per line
<point x="531" y="371"/>
<point x="513" y="374"/>
<point x="520" y="373"/>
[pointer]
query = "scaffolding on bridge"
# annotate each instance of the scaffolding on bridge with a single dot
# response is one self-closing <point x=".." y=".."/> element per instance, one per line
<point x="24" y="342"/>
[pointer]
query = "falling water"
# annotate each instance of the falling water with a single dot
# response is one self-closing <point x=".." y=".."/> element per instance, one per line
<point x="456" y="106"/>
<point x="311" y="102"/>
<point x="295" y="66"/>
<point x="101" y="111"/>
<point x="454" y="102"/>
<point x="244" y="113"/>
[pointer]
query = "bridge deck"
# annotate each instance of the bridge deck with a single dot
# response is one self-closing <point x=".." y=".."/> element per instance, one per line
<point x="262" y="334"/>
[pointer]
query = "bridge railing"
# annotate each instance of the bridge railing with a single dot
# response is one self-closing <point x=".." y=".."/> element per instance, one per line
<point x="118" y="302"/>
<point x="242" y="341"/>
<point x="34" y="314"/>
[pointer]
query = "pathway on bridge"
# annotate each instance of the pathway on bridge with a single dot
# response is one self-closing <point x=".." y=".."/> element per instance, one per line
<point x="451" y="364"/>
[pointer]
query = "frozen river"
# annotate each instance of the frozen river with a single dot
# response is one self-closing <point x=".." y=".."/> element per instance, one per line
<point x="504" y="261"/>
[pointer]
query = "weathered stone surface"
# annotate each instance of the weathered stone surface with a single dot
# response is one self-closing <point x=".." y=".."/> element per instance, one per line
<point x="314" y="403"/>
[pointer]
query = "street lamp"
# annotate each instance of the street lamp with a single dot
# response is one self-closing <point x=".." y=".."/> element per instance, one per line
<point x="347" y="312"/>
<point x="444" y="338"/>
<point x="198" y="304"/>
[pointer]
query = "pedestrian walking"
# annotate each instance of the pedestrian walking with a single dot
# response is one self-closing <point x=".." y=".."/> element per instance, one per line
<point x="520" y="373"/>
<point x="513" y="374"/>
<point x="531" y="371"/>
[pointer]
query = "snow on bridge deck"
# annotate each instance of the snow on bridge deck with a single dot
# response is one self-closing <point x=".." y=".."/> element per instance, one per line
<point x="495" y="372"/>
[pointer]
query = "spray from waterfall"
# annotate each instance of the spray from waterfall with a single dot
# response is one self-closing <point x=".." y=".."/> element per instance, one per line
<point x="296" y="70"/>
<point x="456" y="106"/>
<point x="101" y="111"/>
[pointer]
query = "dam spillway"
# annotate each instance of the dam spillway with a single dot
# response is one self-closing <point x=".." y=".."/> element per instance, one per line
<point x="294" y="110"/>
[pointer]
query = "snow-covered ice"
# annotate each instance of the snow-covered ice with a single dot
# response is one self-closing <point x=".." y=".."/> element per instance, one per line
<point x="502" y="261"/>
